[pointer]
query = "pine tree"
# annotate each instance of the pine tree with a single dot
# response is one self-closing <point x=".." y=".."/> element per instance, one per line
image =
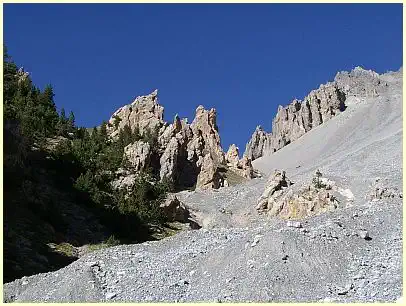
<point x="71" y="122"/>
<point x="47" y="111"/>
<point x="61" y="126"/>
<point x="127" y="135"/>
<point x="103" y="132"/>
<point x="10" y="84"/>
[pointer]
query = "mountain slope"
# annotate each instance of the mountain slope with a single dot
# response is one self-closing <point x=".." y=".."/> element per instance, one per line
<point x="352" y="253"/>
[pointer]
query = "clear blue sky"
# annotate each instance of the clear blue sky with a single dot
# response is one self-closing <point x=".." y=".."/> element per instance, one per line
<point x="242" y="59"/>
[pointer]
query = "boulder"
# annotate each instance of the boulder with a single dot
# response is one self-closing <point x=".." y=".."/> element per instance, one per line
<point x="174" y="209"/>
<point x="275" y="187"/>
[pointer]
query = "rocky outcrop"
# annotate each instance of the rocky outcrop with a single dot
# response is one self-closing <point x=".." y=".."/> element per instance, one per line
<point x="169" y="160"/>
<point x="232" y="156"/>
<point x="319" y="106"/>
<point x="299" y="117"/>
<point x="361" y="83"/>
<point x="294" y="120"/>
<point x="242" y="167"/>
<point x="275" y="187"/>
<point x="209" y="176"/>
<point x="124" y="179"/>
<point x="205" y="126"/>
<point x="260" y="142"/>
<point x="175" y="211"/>
<point x="278" y="200"/>
<point x="186" y="154"/>
<point x="138" y="154"/>
<point x="144" y="113"/>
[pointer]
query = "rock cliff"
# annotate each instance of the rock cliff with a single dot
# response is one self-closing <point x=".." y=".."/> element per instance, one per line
<point x="189" y="155"/>
<point x="319" y="106"/>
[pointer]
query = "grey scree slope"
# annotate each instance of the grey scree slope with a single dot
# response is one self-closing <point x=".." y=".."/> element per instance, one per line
<point x="239" y="255"/>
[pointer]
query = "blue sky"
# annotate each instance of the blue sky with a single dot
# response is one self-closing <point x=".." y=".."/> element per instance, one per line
<point x="242" y="59"/>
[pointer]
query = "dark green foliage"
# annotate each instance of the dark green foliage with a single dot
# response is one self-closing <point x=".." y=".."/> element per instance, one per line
<point x="71" y="121"/>
<point x="64" y="126"/>
<point x="316" y="180"/>
<point x="103" y="132"/>
<point x="39" y="177"/>
<point x="117" y="121"/>
<point x="151" y="136"/>
<point x="47" y="111"/>
<point x="10" y="85"/>
<point x="144" y="199"/>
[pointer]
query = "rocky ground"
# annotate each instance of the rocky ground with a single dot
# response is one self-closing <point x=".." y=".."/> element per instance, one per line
<point x="352" y="253"/>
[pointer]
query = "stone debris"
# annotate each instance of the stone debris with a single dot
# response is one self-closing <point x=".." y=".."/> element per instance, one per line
<point x="364" y="234"/>
<point x="295" y="224"/>
<point x="280" y="200"/>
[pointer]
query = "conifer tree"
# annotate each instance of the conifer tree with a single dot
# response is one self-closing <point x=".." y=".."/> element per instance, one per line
<point x="71" y="122"/>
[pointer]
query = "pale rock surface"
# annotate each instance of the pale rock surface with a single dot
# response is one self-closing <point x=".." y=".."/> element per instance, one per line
<point x="260" y="142"/>
<point x="275" y="188"/>
<point x="124" y="179"/>
<point x="186" y="154"/>
<point x="138" y="155"/>
<point x="144" y="113"/>
<point x="293" y="121"/>
<point x="319" y="106"/>
<point x="308" y="200"/>
<point x="169" y="160"/>
<point x="232" y="156"/>
<point x="205" y="124"/>
<point x="242" y="167"/>
<point x="209" y="177"/>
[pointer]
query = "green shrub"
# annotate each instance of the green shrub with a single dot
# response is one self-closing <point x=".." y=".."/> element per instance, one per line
<point x="316" y="180"/>
<point x="144" y="200"/>
<point x="116" y="121"/>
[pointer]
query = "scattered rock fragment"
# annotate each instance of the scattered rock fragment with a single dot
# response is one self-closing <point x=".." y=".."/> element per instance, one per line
<point x="110" y="295"/>
<point x="295" y="224"/>
<point x="364" y="235"/>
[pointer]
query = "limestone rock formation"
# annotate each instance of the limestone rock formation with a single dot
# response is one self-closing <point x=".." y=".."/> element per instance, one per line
<point x="294" y="120"/>
<point x="361" y="82"/>
<point x="138" y="155"/>
<point x="144" y="113"/>
<point x="260" y="142"/>
<point x="186" y="154"/>
<point x="174" y="210"/>
<point x="232" y="156"/>
<point x="275" y="188"/>
<point x="319" y="106"/>
<point x="205" y="125"/>
<point x="209" y="176"/>
<point x="242" y="167"/>
<point x="315" y="198"/>
<point x="124" y="179"/>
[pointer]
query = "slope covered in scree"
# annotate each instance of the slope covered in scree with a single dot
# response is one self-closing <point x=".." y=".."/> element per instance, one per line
<point x="319" y="106"/>
<point x="348" y="254"/>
